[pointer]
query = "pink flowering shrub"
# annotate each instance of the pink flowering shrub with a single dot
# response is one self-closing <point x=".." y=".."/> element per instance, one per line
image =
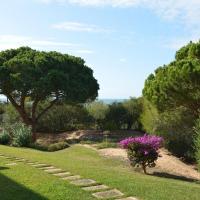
<point x="142" y="151"/>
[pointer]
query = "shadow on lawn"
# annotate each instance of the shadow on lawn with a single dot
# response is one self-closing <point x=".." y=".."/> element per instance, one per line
<point x="172" y="176"/>
<point x="11" y="190"/>
<point x="2" y="168"/>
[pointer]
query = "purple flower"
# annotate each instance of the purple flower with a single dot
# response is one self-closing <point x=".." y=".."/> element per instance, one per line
<point x="146" y="142"/>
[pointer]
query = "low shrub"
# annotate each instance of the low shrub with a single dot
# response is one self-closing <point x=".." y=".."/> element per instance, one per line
<point x="142" y="151"/>
<point x="10" y="116"/>
<point x="39" y="146"/>
<point x="5" y="137"/>
<point x="22" y="135"/>
<point x="64" y="117"/>
<point x="58" y="146"/>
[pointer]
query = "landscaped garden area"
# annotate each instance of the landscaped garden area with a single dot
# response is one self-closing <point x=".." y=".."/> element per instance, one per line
<point x="23" y="181"/>
<point x="59" y="142"/>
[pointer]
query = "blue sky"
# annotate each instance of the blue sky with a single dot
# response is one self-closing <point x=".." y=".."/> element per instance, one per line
<point x="123" y="41"/>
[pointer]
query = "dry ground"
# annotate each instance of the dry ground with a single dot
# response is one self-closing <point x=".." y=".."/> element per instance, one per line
<point x="167" y="165"/>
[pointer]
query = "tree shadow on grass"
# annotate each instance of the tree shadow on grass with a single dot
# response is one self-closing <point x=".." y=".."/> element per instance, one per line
<point x="177" y="177"/>
<point x="2" y="168"/>
<point x="11" y="190"/>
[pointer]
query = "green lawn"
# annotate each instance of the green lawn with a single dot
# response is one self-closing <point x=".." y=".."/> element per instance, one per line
<point x="24" y="182"/>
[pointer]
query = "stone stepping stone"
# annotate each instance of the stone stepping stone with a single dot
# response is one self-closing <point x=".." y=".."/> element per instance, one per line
<point x="51" y="171"/>
<point x="7" y="157"/>
<point x="95" y="188"/>
<point x="108" y="194"/>
<point x="62" y="174"/>
<point x="20" y="160"/>
<point x="128" y="198"/>
<point x="46" y="168"/>
<point x="71" y="178"/>
<point x="83" y="182"/>
<point x="32" y="163"/>
<point x="10" y="158"/>
<point x="40" y="165"/>
<point x="11" y="164"/>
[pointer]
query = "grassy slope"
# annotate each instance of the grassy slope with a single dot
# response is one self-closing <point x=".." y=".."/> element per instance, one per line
<point x="87" y="162"/>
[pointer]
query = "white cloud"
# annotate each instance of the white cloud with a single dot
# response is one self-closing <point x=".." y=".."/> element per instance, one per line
<point x="80" y="27"/>
<point x="188" y="11"/>
<point x="15" y="41"/>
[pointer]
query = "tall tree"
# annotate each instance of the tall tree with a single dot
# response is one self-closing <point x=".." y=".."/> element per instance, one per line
<point x="37" y="75"/>
<point x="177" y="84"/>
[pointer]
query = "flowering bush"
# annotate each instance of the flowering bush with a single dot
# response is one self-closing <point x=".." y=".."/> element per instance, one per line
<point x="142" y="151"/>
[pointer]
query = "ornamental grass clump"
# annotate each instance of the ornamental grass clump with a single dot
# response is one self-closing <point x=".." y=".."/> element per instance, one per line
<point x="142" y="151"/>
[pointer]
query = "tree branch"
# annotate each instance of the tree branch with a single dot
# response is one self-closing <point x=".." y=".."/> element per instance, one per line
<point x="20" y="109"/>
<point x="46" y="109"/>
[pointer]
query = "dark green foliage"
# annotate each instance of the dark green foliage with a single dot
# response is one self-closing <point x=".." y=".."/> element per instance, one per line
<point x="38" y="146"/>
<point x="137" y="158"/>
<point x="52" y="147"/>
<point x="37" y="76"/>
<point x="5" y="137"/>
<point x="64" y="118"/>
<point x="133" y="112"/>
<point x="176" y="126"/>
<point x="22" y="136"/>
<point x="10" y="116"/>
<point x="197" y="141"/>
<point x="116" y="116"/>
<point x="177" y="84"/>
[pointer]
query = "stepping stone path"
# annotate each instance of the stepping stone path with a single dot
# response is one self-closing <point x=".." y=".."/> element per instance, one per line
<point x="108" y="194"/>
<point x="83" y="182"/>
<point x="40" y="165"/>
<point x="104" y="192"/>
<point x="62" y="174"/>
<point x="95" y="188"/>
<point x="46" y="168"/>
<point x="51" y="171"/>
<point x="128" y="198"/>
<point x="71" y="178"/>
<point x="11" y="164"/>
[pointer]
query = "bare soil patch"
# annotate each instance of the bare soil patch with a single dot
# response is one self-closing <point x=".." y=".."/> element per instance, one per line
<point x="167" y="165"/>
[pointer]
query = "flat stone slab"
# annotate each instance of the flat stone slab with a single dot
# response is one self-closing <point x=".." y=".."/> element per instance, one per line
<point x="40" y="165"/>
<point x="11" y="164"/>
<point x="95" y="188"/>
<point x="20" y="160"/>
<point x="7" y="157"/>
<point x="46" y="168"/>
<point x="62" y="174"/>
<point x="128" y="198"/>
<point x="31" y="163"/>
<point x="108" y="194"/>
<point x="83" y="182"/>
<point x="71" y="178"/>
<point x="53" y="170"/>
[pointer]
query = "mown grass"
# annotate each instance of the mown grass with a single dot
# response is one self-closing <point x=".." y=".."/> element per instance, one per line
<point x="87" y="163"/>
